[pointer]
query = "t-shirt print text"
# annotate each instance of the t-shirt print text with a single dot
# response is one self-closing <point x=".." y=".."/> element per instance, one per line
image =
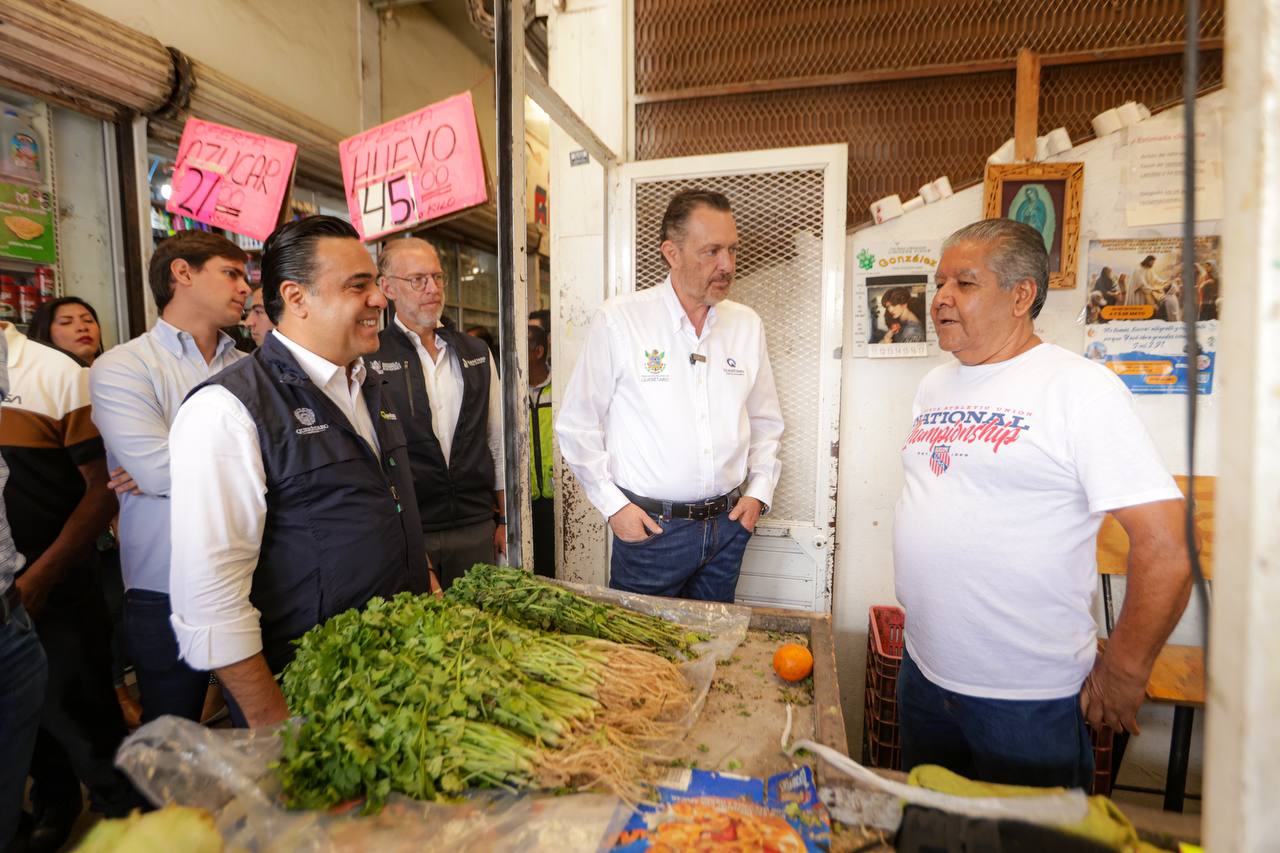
<point x="992" y="426"/>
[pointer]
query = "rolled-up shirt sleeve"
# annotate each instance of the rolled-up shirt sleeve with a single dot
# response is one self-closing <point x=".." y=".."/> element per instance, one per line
<point x="218" y="501"/>
<point x="581" y="422"/>
<point x="764" y="413"/>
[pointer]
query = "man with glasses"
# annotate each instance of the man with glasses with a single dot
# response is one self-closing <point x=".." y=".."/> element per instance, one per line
<point x="444" y="387"/>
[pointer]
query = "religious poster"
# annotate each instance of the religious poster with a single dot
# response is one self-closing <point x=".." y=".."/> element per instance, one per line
<point x="893" y="286"/>
<point x="1134" y="321"/>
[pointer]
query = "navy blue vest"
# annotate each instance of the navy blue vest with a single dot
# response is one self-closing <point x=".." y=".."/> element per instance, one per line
<point x="342" y="524"/>
<point x="459" y="492"/>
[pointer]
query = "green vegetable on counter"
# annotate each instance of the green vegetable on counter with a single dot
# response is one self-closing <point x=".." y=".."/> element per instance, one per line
<point x="430" y="698"/>
<point x="535" y="603"/>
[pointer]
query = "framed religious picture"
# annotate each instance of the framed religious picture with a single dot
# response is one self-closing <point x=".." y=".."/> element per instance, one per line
<point x="1045" y="196"/>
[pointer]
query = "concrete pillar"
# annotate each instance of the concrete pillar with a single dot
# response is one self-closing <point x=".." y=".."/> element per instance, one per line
<point x="1242" y="746"/>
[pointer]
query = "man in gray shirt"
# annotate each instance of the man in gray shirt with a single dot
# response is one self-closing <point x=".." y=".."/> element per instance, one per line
<point x="198" y="281"/>
<point x="23" y="668"/>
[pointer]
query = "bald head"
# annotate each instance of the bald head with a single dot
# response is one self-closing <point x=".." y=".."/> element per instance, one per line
<point x="410" y="274"/>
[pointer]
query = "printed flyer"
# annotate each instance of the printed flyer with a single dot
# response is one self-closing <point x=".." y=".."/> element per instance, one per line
<point x="1134" y="315"/>
<point x="893" y="285"/>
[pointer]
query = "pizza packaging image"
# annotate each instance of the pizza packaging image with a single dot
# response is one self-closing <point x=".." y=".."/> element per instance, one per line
<point x="705" y="810"/>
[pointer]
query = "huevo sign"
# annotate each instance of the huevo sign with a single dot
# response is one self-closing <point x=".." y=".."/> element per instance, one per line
<point x="417" y="168"/>
<point x="230" y="178"/>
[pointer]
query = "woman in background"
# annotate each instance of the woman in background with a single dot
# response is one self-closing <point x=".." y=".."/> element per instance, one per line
<point x="71" y="325"/>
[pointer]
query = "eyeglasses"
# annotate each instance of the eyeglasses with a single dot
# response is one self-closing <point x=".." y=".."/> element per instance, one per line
<point x="419" y="282"/>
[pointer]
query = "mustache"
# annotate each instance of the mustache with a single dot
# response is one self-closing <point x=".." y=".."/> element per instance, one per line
<point x="726" y="278"/>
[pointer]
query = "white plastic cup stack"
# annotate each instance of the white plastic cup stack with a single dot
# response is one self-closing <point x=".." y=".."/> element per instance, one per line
<point x="1129" y="113"/>
<point x="1059" y="140"/>
<point x="912" y="204"/>
<point x="889" y="207"/>
<point x="1106" y="123"/>
<point x="930" y="193"/>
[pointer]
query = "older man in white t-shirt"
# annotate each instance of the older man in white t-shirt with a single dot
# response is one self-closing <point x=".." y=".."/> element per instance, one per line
<point x="1016" y="452"/>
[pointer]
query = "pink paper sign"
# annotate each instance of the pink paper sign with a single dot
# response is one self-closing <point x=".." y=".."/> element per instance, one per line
<point x="414" y="169"/>
<point x="231" y="178"/>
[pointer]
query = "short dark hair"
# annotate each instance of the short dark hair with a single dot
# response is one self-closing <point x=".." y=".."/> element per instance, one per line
<point x="290" y="255"/>
<point x="896" y="296"/>
<point x="538" y="337"/>
<point x="683" y="204"/>
<point x="41" y="328"/>
<point x="194" y="247"/>
<point x="540" y="317"/>
<point x="1017" y="253"/>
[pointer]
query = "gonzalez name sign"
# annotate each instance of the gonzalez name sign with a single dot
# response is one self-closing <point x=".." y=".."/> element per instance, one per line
<point x="419" y="167"/>
<point x="230" y="178"/>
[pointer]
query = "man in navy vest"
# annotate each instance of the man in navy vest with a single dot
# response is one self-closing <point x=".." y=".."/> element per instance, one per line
<point x="445" y="388"/>
<point x="291" y="488"/>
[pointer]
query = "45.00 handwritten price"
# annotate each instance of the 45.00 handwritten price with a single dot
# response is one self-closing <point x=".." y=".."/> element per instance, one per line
<point x="389" y="205"/>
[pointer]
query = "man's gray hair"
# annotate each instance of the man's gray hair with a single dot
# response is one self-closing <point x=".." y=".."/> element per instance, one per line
<point x="1017" y="253"/>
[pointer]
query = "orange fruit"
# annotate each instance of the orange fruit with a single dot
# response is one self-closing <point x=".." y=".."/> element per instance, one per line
<point x="793" y="662"/>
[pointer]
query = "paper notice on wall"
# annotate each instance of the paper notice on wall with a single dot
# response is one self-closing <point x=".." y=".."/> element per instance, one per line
<point x="893" y="286"/>
<point x="1154" y="177"/>
<point x="1134" y="314"/>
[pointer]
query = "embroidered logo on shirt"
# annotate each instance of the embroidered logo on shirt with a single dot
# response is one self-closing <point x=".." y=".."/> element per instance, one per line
<point x="472" y="362"/>
<point x="654" y="361"/>
<point x="731" y="368"/>
<point x="939" y="459"/>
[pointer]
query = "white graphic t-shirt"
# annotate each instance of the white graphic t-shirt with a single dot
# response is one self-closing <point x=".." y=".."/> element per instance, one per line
<point x="1009" y="469"/>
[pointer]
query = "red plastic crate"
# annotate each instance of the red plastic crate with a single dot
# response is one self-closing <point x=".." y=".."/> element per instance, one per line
<point x="881" y="746"/>
<point x="881" y="743"/>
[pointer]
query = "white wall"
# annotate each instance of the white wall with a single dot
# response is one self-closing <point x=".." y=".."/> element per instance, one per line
<point x="303" y="53"/>
<point x="877" y="398"/>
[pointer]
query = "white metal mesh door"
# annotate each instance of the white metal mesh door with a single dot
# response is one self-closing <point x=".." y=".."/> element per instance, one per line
<point x="790" y="270"/>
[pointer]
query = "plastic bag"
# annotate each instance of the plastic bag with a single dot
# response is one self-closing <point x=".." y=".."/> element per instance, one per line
<point x="227" y="772"/>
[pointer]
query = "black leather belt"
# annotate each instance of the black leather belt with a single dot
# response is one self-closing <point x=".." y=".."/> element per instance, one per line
<point x="10" y="601"/>
<point x="699" y="511"/>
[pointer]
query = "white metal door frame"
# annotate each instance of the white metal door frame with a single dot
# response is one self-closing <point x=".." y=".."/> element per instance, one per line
<point x="817" y="539"/>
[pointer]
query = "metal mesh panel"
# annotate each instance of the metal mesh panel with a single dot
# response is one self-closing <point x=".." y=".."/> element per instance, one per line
<point x="684" y="43"/>
<point x="902" y="134"/>
<point x="779" y="274"/>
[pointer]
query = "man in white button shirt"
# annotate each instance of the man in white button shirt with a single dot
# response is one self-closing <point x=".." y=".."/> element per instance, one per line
<point x="671" y="419"/>
<point x="198" y="281"/>
<point x="291" y="494"/>
<point x="445" y="387"/>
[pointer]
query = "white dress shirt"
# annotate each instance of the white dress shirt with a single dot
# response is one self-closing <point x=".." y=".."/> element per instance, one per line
<point x="639" y="414"/>
<point x="136" y="389"/>
<point x="443" y="378"/>
<point x="219" y="508"/>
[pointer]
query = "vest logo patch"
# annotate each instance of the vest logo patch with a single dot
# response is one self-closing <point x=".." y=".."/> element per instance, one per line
<point x="385" y="366"/>
<point x="472" y="362"/>
<point x="306" y="417"/>
<point x="388" y="416"/>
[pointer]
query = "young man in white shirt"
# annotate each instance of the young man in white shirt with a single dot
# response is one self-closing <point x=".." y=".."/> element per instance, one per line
<point x="291" y="494"/>
<point x="1017" y="450"/>
<point x="671" y="419"/>
<point x="198" y="281"/>
<point x="445" y="387"/>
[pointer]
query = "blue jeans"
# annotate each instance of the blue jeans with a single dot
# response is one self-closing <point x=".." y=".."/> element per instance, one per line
<point x="688" y="559"/>
<point x="24" y="674"/>
<point x="1015" y="742"/>
<point x="167" y="684"/>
